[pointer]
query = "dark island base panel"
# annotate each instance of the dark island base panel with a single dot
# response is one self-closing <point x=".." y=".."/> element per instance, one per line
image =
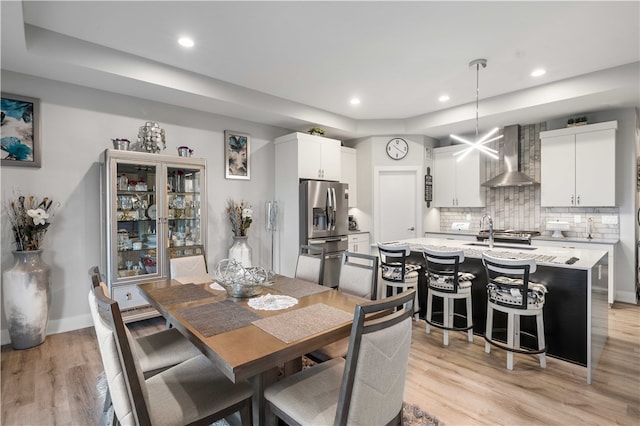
<point x="565" y="309"/>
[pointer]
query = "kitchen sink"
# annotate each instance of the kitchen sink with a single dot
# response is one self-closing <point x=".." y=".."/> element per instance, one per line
<point x="509" y="246"/>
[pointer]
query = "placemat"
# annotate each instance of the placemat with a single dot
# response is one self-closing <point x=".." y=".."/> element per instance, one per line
<point x="303" y="322"/>
<point x="218" y="317"/>
<point x="297" y="288"/>
<point x="179" y="294"/>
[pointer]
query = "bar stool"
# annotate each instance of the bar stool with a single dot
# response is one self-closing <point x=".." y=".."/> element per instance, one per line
<point x="510" y="291"/>
<point x="396" y="272"/>
<point x="445" y="280"/>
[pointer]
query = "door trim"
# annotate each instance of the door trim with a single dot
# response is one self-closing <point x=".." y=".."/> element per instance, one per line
<point x="377" y="172"/>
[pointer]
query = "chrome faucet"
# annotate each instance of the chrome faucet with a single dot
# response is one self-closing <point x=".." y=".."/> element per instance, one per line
<point x="490" y="228"/>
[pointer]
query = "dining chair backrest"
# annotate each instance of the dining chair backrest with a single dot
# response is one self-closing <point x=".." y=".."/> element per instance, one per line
<point x="96" y="280"/>
<point x="310" y="265"/>
<point x="443" y="265"/>
<point x="372" y="388"/>
<point x="359" y="275"/>
<point x="393" y="261"/>
<point x="510" y="275"/>
<point x="187" y="266"/>
<point x="124" y="377"/>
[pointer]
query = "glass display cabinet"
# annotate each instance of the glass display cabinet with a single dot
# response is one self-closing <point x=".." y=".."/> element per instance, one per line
<point x="153" y="207"/>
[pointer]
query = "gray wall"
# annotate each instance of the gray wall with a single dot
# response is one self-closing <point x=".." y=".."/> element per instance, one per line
<point x="77" y="125"/>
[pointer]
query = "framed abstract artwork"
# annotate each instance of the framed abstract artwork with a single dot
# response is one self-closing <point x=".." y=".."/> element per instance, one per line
<point x="20" y="131"/>
<point x="236" y="155"/>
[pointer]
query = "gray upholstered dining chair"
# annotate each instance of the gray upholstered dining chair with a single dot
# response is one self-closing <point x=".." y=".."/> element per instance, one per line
<point x="156" y="351"/>
<point x="368" y="387"/>
<point x="187" y="266"/>
<point x="310" y="265"/>
<point x="192" y="392"/>
<point x="359" y="277"/>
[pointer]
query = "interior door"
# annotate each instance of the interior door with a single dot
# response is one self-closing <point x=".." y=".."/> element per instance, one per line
<point x="397" y="204"/>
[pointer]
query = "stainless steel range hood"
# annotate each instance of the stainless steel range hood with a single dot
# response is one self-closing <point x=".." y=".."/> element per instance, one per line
<point x="513" y="176"/>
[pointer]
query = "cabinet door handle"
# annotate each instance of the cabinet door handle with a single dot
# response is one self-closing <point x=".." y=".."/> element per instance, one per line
<point x="411" y="229"/>
<point x="578" y="200"/>
<point x="572" y="200"/>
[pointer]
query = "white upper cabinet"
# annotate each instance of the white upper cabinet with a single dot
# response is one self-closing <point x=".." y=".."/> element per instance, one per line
<point x="316" y="157"/>
<point x="578" y="166"/>
<point x="456" y="184"/>
<point x="348" y="174"/>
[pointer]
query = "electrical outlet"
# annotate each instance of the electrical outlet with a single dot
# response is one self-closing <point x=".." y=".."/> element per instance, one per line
<point x="577" y="218"/>
<point x="468" y="217"/>
<point x="610" y="220"/>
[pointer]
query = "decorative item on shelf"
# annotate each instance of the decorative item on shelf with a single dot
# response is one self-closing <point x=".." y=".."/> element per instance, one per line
<point x="577" y="121"/>
<point x="121" y="144"/>
<point x="316" y="131"/>
<point x="151" y="138"/>
<point x="240" y="216"/>
<point x="184" y="151"/>
<point x="26" y="285"/>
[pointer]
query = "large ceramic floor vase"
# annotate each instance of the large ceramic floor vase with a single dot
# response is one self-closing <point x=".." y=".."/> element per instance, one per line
<point x="241" y="251"/>
<point x="27" y="298"/>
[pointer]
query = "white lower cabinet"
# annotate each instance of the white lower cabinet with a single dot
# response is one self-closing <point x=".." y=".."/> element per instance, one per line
<point x="359" y="243"/>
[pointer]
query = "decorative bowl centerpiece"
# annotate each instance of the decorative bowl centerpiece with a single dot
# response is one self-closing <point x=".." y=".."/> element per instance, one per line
<point x="239" y="281"/>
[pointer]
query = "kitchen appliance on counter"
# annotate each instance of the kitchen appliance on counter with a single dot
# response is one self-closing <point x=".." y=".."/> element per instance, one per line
<point x="353" y="223"/>
<point x="508" y="236"/>
<point x="324" y="222"/>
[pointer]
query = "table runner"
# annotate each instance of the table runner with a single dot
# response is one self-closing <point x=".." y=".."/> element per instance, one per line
<point x="303" y="322"/>
<point x="297" y="288"/>
<point x="217" y="317"/>
<point x="179" y="294"/>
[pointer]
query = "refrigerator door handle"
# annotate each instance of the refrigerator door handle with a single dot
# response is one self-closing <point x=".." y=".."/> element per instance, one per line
<point x="335" y="206"/>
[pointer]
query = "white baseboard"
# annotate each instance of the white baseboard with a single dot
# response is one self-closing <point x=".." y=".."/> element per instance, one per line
<point x="626" y="297"/>
<point x="57" y="326"/>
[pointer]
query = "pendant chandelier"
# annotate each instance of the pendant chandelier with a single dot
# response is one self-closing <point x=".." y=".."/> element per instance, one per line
<point x="479" y="142"/>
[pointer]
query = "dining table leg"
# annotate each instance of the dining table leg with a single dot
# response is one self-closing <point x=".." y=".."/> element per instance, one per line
<point x="259" y="383"/>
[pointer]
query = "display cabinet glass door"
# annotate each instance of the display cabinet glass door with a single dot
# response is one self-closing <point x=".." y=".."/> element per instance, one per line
<point x="138" y="232"/>
<point x="183" y="201"/>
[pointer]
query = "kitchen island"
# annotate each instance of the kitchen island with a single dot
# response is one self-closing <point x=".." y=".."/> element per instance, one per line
<point x="575" y="311"/>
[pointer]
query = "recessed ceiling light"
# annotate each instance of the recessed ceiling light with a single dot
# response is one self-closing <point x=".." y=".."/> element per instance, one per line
<point x="444" y="98"/>
<point x="355" y="101"/>
<point x="186" y="42"/>
<point x="539" y="72"/>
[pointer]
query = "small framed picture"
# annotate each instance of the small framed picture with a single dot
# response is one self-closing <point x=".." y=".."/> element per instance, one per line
<point x="236" y="155"/>
<point x="20" y="131"/>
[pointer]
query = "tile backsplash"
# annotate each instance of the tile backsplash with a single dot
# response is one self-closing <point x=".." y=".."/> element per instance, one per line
<point x="519" y="207"/>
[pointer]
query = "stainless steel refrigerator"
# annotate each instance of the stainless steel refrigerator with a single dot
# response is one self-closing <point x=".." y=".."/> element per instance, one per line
<point x="324" y="222"/>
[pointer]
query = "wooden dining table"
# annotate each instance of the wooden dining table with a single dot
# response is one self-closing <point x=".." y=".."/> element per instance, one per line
<point x="254" y="344"/>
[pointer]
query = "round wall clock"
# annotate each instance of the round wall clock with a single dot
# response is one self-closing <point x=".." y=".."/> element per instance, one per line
<point x="397" y="148"/>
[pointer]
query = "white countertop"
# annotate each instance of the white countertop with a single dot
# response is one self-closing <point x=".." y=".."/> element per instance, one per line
<point x="549" y="256"/>
<point x="570" y="240"/>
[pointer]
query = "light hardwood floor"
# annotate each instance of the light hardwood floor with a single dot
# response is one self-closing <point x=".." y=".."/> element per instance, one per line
<point x="55" y="383"/>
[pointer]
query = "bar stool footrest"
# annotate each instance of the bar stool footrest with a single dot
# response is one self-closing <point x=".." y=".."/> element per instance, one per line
<point x="441" y="326"/>
<point x="501" y="345"/>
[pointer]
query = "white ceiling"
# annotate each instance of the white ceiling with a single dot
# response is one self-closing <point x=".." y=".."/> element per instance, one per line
<point x="297" y="64"/>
